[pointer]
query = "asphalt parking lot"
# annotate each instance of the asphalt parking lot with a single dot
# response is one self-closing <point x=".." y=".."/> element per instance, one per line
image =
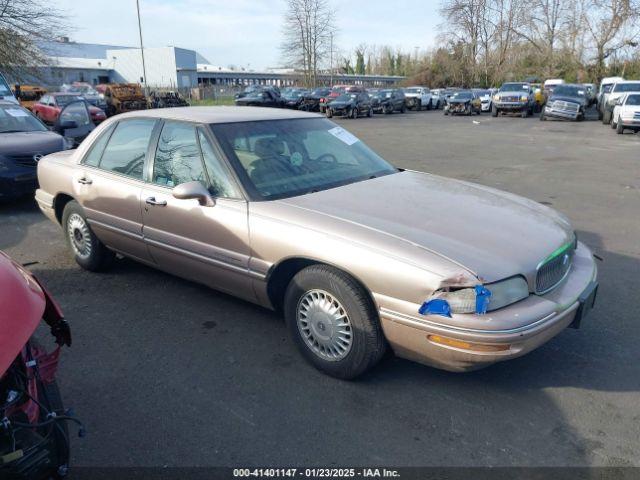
<point x="165" y="372"/>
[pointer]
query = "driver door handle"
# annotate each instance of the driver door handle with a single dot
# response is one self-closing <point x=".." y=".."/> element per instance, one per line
<point x="153" y="201"/>
<point x="85" y="181"/>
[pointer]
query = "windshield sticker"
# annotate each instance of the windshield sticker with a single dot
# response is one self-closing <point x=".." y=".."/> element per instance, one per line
<point x="16" y="112"/>
<point x="341" y="134"/>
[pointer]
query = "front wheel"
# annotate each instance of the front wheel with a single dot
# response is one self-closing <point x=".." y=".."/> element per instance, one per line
<point x="619" y="129"/>
<point x="329" y="113"/>
<point x="403" y="109"/>
<point x="494" y="111"/>
<point x="606" y="118"/>
<point x="88" y="252"/>
<point x="333" y="322"/>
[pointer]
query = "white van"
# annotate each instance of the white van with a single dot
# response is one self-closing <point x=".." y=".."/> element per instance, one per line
<point x="606" y="85"/>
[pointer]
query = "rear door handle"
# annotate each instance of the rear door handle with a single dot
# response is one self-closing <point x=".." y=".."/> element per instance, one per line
<point x="153" y="201"/>
<point x="85" y="181"/>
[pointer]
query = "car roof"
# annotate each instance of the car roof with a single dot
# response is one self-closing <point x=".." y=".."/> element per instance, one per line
<point x="222" y="114"/>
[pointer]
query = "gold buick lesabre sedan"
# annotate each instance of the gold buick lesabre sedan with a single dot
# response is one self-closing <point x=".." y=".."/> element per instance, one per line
<point x="290" y="211"/>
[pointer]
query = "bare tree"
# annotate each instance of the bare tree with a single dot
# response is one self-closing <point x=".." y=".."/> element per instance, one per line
<point x="611" y="26"/>
<point x="308" y="26"/>
<point x="24" y="24"/>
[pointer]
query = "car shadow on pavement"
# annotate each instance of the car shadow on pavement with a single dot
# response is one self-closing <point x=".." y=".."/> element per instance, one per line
<point x="16" y="216"/>
<point x="183" y="375"/>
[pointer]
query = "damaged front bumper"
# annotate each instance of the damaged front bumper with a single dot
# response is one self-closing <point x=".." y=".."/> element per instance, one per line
<point x="469" y="341"/>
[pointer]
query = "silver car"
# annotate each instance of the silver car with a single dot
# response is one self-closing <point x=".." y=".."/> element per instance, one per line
<point x="290" y="211"/>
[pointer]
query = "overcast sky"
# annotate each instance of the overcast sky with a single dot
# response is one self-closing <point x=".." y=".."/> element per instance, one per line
<point x="245" y="32"/>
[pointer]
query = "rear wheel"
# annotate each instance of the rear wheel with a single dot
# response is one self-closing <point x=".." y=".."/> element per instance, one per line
<point x="333" y="322"/>
<point x="88" y="252"/>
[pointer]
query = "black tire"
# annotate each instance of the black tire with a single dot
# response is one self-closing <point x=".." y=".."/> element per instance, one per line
<point x="388" y="109"/>
<point x="524" y="113"/>
<point x="494" y="111"/>
<point x="370" y="112"/>
<point x="403" y="109"/>
<point x="418" y="105"/>
<point x="599" y="114"/>
<point x="606" y="117"/>
<point x="99" y="257"/>
<point x="329" y="113"/>
<point x="619" y="129"/>
<point x="354" y="113"/>
<point x="542" y="117"/>
<point x="368" y="342"/>
<point x="438" y="105"/>
<point x="429" y="105"/>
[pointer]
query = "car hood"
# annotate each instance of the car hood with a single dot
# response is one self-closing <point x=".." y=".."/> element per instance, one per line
<point x="29" y="143"/>
<point x="492" y="234"/>
<point x="23" y="303"/>
<point x="562" y="98"/>
<point x="336" y="104"/>
<point x="459" y="100"/>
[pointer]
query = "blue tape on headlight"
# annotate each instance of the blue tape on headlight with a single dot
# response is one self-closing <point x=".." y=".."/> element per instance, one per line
<point x="437" y="306"/>
<point x="482" y="299"/>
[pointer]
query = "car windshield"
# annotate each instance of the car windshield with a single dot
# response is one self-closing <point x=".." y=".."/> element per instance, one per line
<point x="4" y="88"/>
<point x="345" y="97"/>
<point x="627" y="87"/>
<point x="633" y="100"/>
<point x="483" y="93"/>
<point x="257" y="93"/>
<point x="514" y="87"/>
<point x="462" y="96"/>
<point x="320" y="91"/>
<point x="17" y="119"/>
<point x="385" y="93"/>
<point x="569" y="91"/>
<point x="412" y="90"/>
<point x="285" y="158"/>
<point x="293" y="95"/>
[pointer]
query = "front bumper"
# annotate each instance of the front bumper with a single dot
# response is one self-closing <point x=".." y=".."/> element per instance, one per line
<point x="534" y="321"/>
<point x="18" y="184"/>
<point x="559" y="113"/>
<point x="629" y="123"/>
<point x="512" y="106"/>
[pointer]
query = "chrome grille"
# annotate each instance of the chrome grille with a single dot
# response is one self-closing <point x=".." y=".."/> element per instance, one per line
<point x="553" y="271"/>
<point x="510" y="99"/>
<point x="568" y="106"/>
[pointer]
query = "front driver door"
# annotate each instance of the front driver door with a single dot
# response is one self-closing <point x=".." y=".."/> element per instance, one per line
<point x="207" y="244"/>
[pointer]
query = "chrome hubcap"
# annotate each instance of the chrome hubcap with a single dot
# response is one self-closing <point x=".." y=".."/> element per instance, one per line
<point x="79" y="235"/>
<point x="324" y="325"/>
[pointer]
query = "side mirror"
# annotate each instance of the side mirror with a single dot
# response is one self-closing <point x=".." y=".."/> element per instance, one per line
<point x="194" y="191"/>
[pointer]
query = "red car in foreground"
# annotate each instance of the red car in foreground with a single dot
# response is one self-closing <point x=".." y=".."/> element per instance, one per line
<point x="34" y="440"/>
<point x="50" y="105"/>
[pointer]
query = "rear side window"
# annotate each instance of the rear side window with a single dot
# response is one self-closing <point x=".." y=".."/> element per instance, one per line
<point x="95" y="154"/>
<point x="127" y="148"/>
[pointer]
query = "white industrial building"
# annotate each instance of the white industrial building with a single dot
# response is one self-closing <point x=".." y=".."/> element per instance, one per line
<point x="166" y="67"/>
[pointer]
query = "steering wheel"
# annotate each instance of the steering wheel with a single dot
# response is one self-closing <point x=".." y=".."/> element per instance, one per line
<point x="330" y="157"/>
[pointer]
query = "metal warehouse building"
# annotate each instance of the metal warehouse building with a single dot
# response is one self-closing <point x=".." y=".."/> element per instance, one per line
<point x="166" y="67"/>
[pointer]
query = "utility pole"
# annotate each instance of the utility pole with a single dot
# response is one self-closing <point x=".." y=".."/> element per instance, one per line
<point x="144" y="70"/>
<point x="331" y="62"/>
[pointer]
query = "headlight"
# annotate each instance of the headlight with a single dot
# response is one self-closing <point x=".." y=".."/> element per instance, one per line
<point x="496" y="98"/>
<point x="523" y="98"/>
<point x="479" y="299"/>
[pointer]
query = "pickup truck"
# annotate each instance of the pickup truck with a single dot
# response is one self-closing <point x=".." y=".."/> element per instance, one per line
<point x="514" y="97"/>
<point x="418" y="97"/>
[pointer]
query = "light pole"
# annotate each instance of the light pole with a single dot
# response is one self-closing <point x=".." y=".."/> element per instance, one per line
<point x="144" y="70"/>
<point x="331" y="62"/>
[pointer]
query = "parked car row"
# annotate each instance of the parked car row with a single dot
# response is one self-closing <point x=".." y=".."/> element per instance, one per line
<point x="352" y="100"/>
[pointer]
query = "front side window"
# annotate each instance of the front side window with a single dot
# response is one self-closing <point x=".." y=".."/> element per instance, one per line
<point x="177" y="156"/>
<point x="219" y="177"/>
<point x="127" y="147"/>
<point x="284" y="158"/>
